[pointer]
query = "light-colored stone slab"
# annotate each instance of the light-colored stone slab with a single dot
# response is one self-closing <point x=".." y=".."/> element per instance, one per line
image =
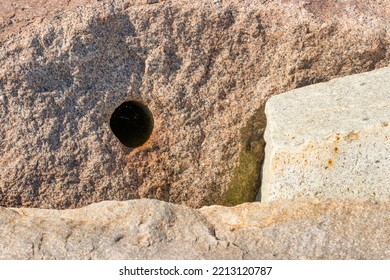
<point x="151" y="229"/>
<point x="330" y="140"/>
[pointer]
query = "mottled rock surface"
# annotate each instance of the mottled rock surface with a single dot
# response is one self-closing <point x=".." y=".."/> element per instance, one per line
<point x="329" y="140"/>
<point x="151" y="229"/>
<point x="204" y="68"/>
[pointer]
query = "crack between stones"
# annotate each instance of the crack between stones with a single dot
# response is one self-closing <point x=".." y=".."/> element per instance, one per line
<point x="33" y="250"/>
<point x="68" y="235"/>
<point x="213" y="233"/>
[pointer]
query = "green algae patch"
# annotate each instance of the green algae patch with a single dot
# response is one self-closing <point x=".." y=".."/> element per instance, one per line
<point x="246" y="179"/>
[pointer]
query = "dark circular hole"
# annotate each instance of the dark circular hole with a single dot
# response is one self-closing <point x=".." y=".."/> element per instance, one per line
<point x="132" y="123"/>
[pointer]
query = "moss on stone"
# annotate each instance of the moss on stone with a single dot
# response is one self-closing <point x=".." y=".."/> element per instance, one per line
<point x="246" y="179"/>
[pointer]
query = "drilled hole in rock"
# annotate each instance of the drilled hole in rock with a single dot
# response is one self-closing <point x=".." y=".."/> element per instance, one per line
<point x="132" y="123"/>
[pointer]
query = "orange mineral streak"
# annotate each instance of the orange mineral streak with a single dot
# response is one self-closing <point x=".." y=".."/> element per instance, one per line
<point x="352" y="136"/>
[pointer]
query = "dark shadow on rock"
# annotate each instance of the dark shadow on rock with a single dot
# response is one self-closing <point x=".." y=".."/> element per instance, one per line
<point x="99" y="57"/>
<point x="67" y="90"/>
<point x="47" y="74"/>
<point x="102" y="57"/>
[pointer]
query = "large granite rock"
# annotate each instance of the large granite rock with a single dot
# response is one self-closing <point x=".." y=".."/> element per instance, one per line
<point x="203" y="68"/>
<point x="151" y="229"/>
<point x="329" y="140"/>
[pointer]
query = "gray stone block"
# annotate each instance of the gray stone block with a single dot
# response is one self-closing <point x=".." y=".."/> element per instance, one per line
<point x="330" y="140"/>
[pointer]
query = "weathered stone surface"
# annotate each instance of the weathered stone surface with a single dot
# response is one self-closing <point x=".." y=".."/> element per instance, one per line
<point x="204" y="69"/>
<point x="151" y="229"/>
<point x="143" y="229"/>
<point x="330" y="140"/>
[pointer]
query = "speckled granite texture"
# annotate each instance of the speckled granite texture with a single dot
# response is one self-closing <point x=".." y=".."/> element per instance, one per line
<point x="204" y="69"/>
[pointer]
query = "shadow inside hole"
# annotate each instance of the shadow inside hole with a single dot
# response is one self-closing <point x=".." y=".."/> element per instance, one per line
<point x="132" y="123"/>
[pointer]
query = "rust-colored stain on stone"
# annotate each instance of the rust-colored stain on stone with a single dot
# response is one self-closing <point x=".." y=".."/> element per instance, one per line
<point x="352" y="136"/>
